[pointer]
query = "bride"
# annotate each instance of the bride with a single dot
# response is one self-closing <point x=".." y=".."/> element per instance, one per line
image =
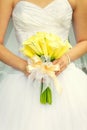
<point x="20" y="108"/>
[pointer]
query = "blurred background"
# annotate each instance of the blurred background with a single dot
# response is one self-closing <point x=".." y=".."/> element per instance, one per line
<point x="12" y="44"/>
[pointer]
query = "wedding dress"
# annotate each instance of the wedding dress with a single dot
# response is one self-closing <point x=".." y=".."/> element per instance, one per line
<point x="20" y="107"/>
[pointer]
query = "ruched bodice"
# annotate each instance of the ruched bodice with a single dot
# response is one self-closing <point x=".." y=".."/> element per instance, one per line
<point x="29" y="18"/>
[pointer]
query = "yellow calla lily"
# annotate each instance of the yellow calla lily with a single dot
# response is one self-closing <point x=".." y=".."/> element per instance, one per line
<point x="46" y="44"/>
<point x="26" y="50"/>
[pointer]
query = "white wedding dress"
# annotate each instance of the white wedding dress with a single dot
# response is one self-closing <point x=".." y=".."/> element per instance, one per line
<point x="20" y="108"/>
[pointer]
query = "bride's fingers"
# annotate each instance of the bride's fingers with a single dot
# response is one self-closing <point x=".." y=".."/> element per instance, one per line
<point x="27" y="74"/>
<point x="56" y="61"/>
<point x="26" y="71"/>
<point x="62" y="66"/>
<point x="58" y="72"/>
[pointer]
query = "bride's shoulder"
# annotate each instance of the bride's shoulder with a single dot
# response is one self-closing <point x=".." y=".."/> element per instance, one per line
<point x="8" y="2"/>
<point x="78" y="4"/>
<point x="82" y="4"/>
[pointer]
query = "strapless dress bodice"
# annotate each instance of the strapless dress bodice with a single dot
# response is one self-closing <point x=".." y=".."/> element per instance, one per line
<point x="29" y="18"/>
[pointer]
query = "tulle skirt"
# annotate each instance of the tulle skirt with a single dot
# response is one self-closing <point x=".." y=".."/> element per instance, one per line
<point x="20" y="107"/>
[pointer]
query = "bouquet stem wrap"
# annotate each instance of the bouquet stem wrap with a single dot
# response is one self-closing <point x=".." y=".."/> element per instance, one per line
<point x="41" y="49"/>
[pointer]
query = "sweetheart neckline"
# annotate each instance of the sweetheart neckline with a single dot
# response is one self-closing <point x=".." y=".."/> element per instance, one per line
<point x="39" y="5"/>
<point x="33" y="4"/>
<point x="42" y="8"/>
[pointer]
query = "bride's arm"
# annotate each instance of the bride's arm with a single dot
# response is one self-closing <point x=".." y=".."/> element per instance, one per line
<point x="80" y="27"/>
<point x="6" y="56"/>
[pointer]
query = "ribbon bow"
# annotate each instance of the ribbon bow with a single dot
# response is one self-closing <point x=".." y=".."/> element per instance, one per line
<point x="47" y="68"/>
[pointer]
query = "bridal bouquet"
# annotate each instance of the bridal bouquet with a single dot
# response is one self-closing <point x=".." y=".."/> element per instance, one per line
<point x="41" y="49"/>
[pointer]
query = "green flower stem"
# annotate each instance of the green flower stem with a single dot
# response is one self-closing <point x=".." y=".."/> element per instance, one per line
<point x="46" y="96"/>
<point x="49" y="95"/>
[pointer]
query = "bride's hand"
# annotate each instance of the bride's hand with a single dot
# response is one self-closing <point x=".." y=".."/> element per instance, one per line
<point x="24" y="68"/>
<point x="62" y="62"/>
<point x="26" y="72"/>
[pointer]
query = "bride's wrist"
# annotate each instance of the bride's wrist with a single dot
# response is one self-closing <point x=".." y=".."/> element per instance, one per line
<point x="68" y="59"/>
